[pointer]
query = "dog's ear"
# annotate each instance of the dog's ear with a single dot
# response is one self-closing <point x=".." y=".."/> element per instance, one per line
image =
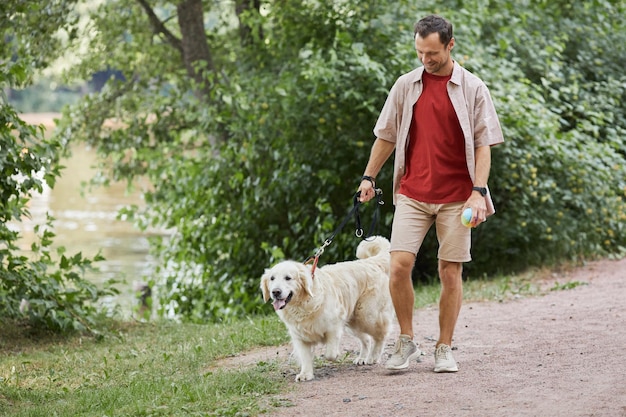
<point x="306" y="279"/>
<point x="264" y="285"/>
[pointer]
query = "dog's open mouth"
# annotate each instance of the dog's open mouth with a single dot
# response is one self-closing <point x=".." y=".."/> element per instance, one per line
<point x="279" y="304"/>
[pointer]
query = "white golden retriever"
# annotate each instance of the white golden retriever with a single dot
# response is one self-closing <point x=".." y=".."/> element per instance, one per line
<point x="315" y="309"/>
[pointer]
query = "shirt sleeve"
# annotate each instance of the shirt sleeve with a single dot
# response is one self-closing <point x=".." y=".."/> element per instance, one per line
<point x="388" y="122"/>
<point x="487" y="130"/>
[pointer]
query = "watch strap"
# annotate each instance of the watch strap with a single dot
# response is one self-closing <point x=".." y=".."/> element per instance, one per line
<point x="481" y="190"/>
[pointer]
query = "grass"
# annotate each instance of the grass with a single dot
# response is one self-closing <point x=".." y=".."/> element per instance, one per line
<point x="485" y="289"/>
<point x="168" y="369"/>
<point x="154" y="369"/>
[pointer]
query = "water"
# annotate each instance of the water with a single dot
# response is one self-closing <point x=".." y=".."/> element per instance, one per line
<point x="87" y="223"/>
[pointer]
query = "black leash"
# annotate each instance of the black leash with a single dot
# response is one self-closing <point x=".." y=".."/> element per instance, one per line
<point x="359" y="230"/>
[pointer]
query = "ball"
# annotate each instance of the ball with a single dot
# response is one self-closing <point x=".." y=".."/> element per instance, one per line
<point x="466" y="217"/>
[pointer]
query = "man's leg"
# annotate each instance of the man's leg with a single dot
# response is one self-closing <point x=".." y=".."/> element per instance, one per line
<point x="450" y="274"/>
<point x="403" y="298"/>
<point x="450" y="301"/>
<point x="401" y="289"/>
<point x="411" y="222"/>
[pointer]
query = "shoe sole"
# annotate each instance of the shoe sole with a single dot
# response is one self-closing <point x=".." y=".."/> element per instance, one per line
<point x="405" y="365"/>
<point x="444" y="370"/>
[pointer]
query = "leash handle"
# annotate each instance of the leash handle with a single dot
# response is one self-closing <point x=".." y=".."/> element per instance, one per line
<point x="357" y="215"/>
<point x="379" y="202"/>
<point x="359" y="229"/>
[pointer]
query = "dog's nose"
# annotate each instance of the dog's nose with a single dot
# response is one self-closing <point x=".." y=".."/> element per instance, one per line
<point x="276" y="293"/>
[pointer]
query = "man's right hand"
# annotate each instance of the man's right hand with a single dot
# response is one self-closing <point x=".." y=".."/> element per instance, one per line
<point x="367" y="191"/>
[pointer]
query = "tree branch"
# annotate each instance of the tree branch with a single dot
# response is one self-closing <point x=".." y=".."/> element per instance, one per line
<point x="159" y="28"/>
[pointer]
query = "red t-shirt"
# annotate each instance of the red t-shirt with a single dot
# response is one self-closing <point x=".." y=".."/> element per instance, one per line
<point x="436" y="168"/>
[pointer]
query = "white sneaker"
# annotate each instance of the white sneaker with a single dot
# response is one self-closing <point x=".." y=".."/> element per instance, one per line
<point x="444" y="362"/>
<point x="404" y="350"/>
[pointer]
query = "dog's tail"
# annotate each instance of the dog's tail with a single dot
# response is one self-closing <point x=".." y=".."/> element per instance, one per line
<point x="373" y="246"/>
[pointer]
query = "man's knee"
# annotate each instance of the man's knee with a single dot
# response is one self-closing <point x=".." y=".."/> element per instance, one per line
<point x="451" y="273"/>
<point x="401" y="265"/>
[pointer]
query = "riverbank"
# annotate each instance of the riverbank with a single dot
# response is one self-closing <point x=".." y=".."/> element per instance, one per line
<point x="86" y="221"/>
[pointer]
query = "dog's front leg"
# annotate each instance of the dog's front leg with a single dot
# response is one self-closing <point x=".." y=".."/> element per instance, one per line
<point x="305" y="355"/>
<point x="333" y="343"/>
<point x="375" y="351"/>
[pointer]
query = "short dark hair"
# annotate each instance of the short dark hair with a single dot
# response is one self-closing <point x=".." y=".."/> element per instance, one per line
<point x="434" y="24"/>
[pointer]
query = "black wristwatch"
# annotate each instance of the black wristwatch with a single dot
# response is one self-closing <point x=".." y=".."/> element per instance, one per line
<point x="481" y="190"/>
<point x="370" y="179"/>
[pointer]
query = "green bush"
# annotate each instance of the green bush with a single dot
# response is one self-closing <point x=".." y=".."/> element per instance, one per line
<point x="47" y="290"/>
<point x="560" y="181"/>
<point x="41" y="286"/>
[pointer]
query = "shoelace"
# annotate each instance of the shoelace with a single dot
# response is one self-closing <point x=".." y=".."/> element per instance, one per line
<point x="442" y="351"/>
<point x="402" y="346"/>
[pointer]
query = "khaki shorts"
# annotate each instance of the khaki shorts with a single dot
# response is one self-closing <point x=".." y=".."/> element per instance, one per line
<point x="413" y="219"/>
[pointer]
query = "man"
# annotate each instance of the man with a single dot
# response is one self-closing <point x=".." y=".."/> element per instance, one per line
<point x="441" y="121"/>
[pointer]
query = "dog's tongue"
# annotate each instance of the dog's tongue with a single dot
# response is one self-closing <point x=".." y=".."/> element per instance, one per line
<point x="278" y="304"/>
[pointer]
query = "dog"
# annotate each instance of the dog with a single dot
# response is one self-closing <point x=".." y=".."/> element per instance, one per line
<point x="317" y="307"/>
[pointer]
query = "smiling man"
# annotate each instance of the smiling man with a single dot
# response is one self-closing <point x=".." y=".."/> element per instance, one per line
<point x="441" y="122"/>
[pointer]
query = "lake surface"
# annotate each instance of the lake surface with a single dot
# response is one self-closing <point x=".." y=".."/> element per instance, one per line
<point x="85" y="221"/>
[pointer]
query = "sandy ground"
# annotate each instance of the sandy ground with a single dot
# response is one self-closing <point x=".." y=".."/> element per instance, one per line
<point x="560" y="354"/>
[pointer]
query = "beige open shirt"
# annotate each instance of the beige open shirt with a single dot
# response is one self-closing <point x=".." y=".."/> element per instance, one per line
<point x="472" y="103"/>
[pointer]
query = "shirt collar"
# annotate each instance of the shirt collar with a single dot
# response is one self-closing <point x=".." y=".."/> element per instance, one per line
<point x="456" y="74"/>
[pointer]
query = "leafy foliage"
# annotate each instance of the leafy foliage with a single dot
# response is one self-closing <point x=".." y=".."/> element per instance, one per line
<point x="258" y="161"/>
<point x="560" y="184"/>
<point x="34" y="284"/>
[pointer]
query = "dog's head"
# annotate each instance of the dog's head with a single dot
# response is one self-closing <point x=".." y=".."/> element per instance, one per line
<point x="286" y="282"/>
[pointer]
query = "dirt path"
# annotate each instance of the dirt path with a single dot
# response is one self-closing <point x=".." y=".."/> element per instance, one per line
<point x="562" y="354"/>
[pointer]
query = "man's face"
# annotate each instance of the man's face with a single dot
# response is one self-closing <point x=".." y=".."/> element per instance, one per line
<point x="434" y="55"/>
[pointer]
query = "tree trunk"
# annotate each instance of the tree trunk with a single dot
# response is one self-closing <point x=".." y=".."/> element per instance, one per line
<point x="196" y="53"/>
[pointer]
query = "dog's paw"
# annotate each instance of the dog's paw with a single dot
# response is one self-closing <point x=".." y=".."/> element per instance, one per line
<point x="304" y="376"/>
<point x="363" y="361"/>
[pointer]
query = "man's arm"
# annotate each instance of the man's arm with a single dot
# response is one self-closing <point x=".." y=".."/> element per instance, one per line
<point x="483" y="165"/>
<point x="476" y="201"/>
<point x="381" y="151"/>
